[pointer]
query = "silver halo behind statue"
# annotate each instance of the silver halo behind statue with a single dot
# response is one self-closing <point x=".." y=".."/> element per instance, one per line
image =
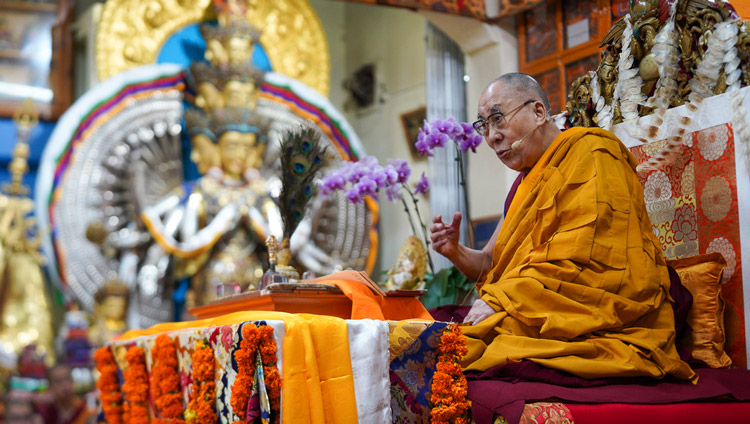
<point x="118" y="149"/>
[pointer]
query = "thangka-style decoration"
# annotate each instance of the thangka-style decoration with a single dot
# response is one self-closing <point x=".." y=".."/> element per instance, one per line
<point x="186" y="362"/>
<point x="542" y="412"/>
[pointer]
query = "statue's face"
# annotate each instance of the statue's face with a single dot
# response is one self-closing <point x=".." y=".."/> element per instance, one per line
<point x="215" y="52"/>
<point x="582" y="95"/>
<point x="238" y="93"/>
<point x="114" y="307"/>
<point x="607" y="72"/>
<point x="239" y="50"/>
<point x="236" y="150"/>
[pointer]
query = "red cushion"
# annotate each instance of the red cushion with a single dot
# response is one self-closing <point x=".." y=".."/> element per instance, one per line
<point x="615" y="413"/>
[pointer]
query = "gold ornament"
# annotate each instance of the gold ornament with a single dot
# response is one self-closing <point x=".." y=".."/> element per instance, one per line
<point x="579" y="102"/>
<point x="132" y="32"/>
<point x="25" y="311"/>
<point x="411" y="265"/>
<point x="110" y="313"/>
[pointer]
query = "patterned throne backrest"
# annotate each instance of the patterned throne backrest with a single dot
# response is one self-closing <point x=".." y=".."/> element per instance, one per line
<point x="677" y="101"/>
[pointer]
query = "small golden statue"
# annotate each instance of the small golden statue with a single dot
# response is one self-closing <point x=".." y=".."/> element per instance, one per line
<point x="411" y="265"/>
<point x="26" y="311"/>
<point x="110" y="313"/>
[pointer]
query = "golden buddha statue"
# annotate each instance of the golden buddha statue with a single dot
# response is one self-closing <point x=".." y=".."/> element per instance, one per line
<point x="26" y="312"/>
<point x="110" y="313"/>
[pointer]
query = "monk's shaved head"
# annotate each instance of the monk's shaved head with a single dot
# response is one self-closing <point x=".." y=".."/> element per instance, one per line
<point x="523" y="84"/>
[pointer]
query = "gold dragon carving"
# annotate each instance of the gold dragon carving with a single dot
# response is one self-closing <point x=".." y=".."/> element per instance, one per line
<point x="132" y="32"/>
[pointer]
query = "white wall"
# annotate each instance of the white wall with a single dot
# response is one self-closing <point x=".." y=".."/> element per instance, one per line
<point x="393" y="39"/>
<point x="490" y="51"/>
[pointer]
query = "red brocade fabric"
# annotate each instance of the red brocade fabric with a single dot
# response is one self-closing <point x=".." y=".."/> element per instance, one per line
<point x="692" y="203"/>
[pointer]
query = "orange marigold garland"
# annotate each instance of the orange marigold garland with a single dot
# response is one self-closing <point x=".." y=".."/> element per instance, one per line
<point x="243" y="383"/>
<point x="202" y="406"/>
<point x="255" y="339"/>
<point x="136" y="387"/>
<point x="165" y="382"/>
<point x="109" y="386"/>
<point x="449" y="387"/>
<point x="272" y="377"/>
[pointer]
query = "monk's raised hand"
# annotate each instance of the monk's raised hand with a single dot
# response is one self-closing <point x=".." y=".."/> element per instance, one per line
<point x="444" y="236"/>
<point x="479" y="311"/>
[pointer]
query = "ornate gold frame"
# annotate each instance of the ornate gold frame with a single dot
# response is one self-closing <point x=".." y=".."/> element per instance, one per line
<point x="131" y="33"/>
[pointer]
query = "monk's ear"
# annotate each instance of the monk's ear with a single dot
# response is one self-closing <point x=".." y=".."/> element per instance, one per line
<point x="540" y="112"/>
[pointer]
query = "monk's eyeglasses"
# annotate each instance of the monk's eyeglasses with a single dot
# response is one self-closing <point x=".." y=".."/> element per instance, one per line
<point x="498" y="120"/>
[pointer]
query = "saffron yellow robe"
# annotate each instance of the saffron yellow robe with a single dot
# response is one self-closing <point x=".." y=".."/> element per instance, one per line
<point x="578" y="278"/>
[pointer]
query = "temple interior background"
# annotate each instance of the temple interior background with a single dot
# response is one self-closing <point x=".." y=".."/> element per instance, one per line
<point x="392" y="64"/>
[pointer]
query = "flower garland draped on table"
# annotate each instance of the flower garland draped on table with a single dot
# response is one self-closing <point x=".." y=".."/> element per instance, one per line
<point x="136" y="387"/>
<point x="256" y="341"/>
<point x="165" y="382"/>
<point x="109" y="386"/>
<point x="449" y="387"/>
<point x="202" y="406"/>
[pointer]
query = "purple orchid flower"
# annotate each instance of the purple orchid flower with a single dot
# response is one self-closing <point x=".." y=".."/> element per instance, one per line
<point x="366" y="186"/>
<point x="393" y="193"/>
<point x="422" y="186"/>
<point x="437" y="133"/>
<point x="402" y="169"/>
<point x="353" y="196"/>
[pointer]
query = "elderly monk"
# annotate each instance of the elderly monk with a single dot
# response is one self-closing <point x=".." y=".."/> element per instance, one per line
<point x="573" y="278"/>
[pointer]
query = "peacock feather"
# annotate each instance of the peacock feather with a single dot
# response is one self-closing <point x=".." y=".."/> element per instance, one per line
<point x="302" y="156"/>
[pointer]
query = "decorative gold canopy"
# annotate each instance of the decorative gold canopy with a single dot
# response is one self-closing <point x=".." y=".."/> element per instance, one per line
<point x="132" y="32"/>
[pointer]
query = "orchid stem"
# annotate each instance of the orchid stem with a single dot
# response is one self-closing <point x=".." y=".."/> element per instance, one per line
<point x="411" y="221"/>
<point x="424" y="227"/>
<point x="462" y="183"/>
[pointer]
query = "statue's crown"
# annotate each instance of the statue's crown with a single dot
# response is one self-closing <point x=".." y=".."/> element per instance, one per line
<point x="225" y="87"/>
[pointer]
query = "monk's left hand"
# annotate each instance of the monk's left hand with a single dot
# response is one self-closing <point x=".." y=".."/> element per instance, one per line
<point x="478" y="312"/>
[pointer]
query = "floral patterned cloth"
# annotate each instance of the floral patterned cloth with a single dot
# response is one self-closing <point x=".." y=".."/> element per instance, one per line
<point x="413" y="349"/>
<point x="692" y="203"/>
<point x="542" y="413"/>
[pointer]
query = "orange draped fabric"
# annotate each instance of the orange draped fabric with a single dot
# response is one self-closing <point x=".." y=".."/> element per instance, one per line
<point x="578" y="281"/>
<point x="365" y="304"/>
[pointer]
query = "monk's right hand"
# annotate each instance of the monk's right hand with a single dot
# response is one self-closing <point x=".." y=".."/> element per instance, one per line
<point x="445" y="236"/>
